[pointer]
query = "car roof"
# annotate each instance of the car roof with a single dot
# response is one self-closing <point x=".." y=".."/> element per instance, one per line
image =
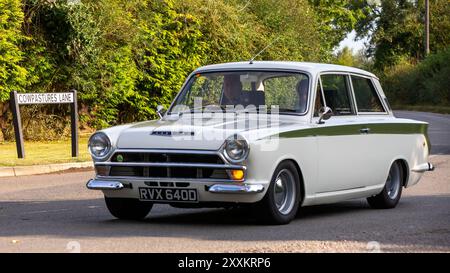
<point x="313" y="68"/>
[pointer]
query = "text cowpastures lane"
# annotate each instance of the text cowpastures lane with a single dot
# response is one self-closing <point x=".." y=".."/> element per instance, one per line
<point x="38" y="98"/>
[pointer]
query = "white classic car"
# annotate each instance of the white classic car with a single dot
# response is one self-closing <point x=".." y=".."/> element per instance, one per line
<point x="271" y="135"/>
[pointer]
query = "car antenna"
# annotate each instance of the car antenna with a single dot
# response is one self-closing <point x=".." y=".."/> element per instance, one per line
<point x="267" y="46"/>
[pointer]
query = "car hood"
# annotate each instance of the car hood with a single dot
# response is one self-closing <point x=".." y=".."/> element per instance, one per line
<point x="194" y="133"/>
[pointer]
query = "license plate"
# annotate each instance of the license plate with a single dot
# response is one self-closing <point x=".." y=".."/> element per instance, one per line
<point x="168" y="195"/>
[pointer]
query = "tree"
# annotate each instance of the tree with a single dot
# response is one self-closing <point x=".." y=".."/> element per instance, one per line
<point x="347" y="57"/>
<point x="12" y="74"/>
<point x="337" y="18"/>
<point x="235" y="30"/>
<point x="439" y="25"/>
<point x="396" y="29"/>
<point x="126" y="57"/>
<point x="168" y="49"/>
<point x="294" y="27"/>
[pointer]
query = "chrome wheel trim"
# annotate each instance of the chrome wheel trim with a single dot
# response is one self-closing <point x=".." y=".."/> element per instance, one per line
<point x="284" y="191"/>
<point x="393" y="182"/>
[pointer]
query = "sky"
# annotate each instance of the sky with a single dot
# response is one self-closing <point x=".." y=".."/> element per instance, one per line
<point x="349" y="41"/>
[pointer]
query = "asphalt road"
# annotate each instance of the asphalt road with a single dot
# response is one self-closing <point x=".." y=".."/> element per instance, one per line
<point x="55" y="213"/>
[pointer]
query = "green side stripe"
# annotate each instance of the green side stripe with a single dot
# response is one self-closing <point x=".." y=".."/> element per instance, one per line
<point x="375" y="128"/>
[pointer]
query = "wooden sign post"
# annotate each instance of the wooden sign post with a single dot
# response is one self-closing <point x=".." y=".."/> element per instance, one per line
<point x="17" y="99"/>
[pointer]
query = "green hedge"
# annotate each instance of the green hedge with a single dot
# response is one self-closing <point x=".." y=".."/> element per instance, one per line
<point x="425" y="83"/>
<point x="126" y="57"/>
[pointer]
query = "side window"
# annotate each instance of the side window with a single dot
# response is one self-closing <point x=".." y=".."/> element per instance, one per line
<point x="319" y="100"/>
<point x="336" y="92"/>
<point x="366" y="96"/>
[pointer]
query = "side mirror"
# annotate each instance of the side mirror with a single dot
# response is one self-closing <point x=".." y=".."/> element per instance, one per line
<point x="325" y="113"/>
<point x="160" y="111"/>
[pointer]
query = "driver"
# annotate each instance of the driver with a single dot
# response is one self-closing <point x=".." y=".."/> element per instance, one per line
<point x="232" y="89"/>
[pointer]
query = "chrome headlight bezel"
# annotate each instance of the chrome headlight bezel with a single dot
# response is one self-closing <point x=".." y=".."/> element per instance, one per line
<point x="233" y="142"/>
<point x="107" y="143"/>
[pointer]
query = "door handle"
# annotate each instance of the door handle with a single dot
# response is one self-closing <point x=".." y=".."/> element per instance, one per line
<point x="364" y="130"/>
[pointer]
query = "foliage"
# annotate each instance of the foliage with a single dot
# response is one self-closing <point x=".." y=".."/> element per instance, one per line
<point x="229" y="31"/>
<point x="123" y="57"/>
<point x="396" y="46"/>
<point x="171" y="49"/>
<point x="337" y="18"/>
<point x="12" y="74"/>
<point x="292" y="27"/>
<point x="427" y="83"/>
<point x="439" y="25"/>
<point x="347" y="57"/>
<point x="396" y="29"/>
<point x="126" y="57"/>
<point x="236" y="30"/>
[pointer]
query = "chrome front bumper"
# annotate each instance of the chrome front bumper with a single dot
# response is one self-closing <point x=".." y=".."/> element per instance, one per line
<point x="245" y="188"/>
<point x="95" y="184"/>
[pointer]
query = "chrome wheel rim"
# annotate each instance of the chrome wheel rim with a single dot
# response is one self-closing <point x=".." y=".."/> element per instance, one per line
<point x="393" y="182"/>
<point x="284" y="191"/>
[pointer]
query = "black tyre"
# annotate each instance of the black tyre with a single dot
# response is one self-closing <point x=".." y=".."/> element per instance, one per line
<point x="392" y="191"/>
<point x="280" y="204"/>
<point x="128" y="208"/>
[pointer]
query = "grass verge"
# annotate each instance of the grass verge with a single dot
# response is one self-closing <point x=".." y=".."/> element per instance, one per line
<point x="43" y="152"/>
<point x="424" y="108"/>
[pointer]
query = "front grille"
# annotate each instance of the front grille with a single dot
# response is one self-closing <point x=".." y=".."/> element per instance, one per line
<point x="168" y="165"/>
<point x="166" y="157"/>
<point x="168" y="184"/>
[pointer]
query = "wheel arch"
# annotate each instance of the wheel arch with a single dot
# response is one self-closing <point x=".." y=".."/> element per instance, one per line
<point x="404" y="168"/>
<point x="300" y="175"/>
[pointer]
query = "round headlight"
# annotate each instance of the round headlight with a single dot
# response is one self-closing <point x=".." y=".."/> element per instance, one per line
<point x="236" y="149"/>
<point x="99" y="145"/>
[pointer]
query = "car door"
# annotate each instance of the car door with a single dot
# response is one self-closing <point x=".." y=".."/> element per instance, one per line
<point x="379" y="149"/>
<point x="342" y="146"/>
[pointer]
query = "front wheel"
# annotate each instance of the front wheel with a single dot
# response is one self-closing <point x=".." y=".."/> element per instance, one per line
<point x="392" y="191"/>
<point x="281" y="202"/>
<point x="128" y="208"/>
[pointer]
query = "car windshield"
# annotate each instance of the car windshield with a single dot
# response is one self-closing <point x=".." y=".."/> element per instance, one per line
<point x="286" y="91"/>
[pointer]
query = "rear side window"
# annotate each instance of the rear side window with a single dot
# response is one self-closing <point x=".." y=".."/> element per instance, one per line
<point x="366" y="96"/>
<point x="336" y="92"/>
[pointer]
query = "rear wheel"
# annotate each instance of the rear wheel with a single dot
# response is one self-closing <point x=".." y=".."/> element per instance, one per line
<point x="281" y="202"/>
<point x="392" y="191"/>
<point x="128" y="208"/>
